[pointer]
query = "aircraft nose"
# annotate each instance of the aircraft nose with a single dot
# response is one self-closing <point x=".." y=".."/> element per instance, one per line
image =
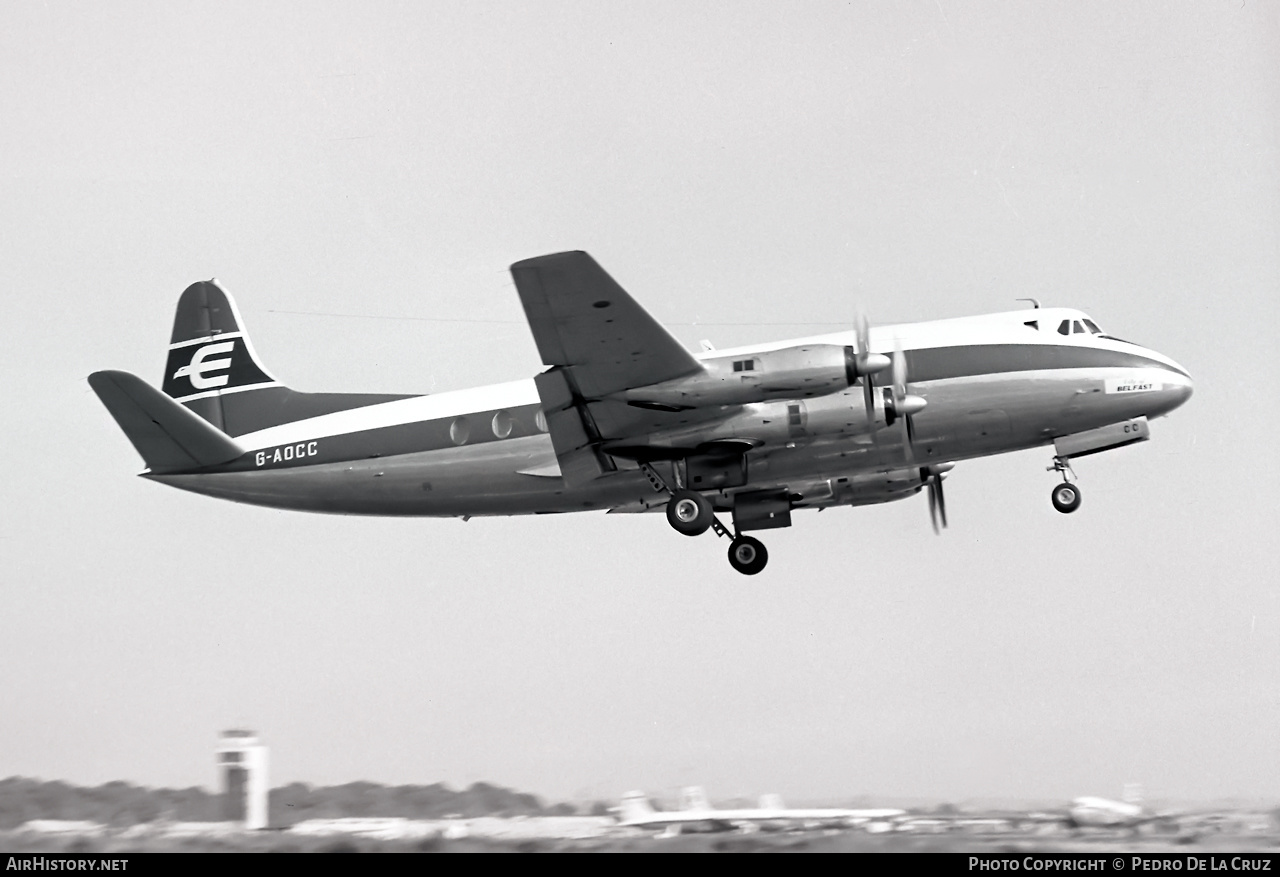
<point x="1178" y="387"/>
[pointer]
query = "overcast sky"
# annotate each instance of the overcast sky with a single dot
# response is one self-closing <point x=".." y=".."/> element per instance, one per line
<point x="736" y="167"/>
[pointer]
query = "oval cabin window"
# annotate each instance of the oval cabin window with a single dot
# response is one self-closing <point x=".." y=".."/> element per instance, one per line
<point x="502" y="424"/>
<point x="460" y="430"/>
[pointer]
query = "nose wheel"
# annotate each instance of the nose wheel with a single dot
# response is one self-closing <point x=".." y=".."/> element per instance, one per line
<point x="1066" y="496"/>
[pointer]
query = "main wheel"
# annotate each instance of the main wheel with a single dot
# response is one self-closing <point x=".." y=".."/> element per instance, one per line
<point x="748" y="556"/>
<point x="689" y="512"/>
<point x="1066" y="498"/>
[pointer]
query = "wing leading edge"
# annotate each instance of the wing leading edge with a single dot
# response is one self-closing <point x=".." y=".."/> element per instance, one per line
<point x="599" y="342"/>
<point x="584" y="322"/>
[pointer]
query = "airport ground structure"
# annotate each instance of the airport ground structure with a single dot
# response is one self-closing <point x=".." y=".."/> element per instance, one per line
<point x="45" y="818"/>
<point x="598" y="834"/>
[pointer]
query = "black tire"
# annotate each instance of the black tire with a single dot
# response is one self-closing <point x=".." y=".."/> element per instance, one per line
<point x="1065" y="498"/>
<point x="689" y="512"/>
<point x="748" y="556"/>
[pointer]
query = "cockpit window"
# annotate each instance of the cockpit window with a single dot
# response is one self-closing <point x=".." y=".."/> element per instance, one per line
<point x="1093" y="327"/>
<point x="1064" y="328"/>
<point x="1077" y="328"/>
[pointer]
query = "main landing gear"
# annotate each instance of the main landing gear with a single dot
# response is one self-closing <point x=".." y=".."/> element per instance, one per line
<point x="692" y="514"/>
<point x="747" y="555"/>
<point x="1066" y="496"/>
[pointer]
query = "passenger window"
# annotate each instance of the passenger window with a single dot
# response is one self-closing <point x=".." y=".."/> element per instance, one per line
<point x="744" y="365"/>
<point x="1064" y="328"/>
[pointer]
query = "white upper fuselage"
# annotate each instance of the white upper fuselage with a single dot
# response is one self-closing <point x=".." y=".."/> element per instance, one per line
<point x="984" y="330"/>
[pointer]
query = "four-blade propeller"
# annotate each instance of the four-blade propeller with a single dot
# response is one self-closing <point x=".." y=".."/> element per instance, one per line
<point x="899" y="405"/>
<point x="932" y="477"/>
<point x="867" y="364"/>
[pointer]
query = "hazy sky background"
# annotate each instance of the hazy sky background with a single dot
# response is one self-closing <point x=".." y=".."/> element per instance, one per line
<point x="735" y="167"/>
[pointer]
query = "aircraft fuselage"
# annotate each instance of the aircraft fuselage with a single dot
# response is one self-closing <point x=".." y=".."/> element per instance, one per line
<point x="992" y="384"/>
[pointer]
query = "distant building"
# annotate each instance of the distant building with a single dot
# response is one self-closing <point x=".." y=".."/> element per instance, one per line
<point x="242" y="765"/>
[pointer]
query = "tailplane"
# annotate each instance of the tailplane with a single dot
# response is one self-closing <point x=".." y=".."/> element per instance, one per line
<point x="169" y="437"/>
<point x="214" y="371"/>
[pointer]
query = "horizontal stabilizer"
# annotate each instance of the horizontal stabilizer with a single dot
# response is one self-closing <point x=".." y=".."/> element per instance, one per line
<point x="169" y="437"/>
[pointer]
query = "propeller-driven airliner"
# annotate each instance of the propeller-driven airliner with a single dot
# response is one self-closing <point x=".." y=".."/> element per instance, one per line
<point x="626" y="419"/>
<point x="696" y="812"/>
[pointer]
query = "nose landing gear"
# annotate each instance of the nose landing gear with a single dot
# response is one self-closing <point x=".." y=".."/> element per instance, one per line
<point x="1066" y="496"/>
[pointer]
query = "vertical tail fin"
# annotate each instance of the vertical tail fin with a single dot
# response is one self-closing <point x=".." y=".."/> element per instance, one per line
<point x="772" y="802"/>
<point x="214" y="371"/>
<point x="210" y="356"/>
<point x="694" y="798"/>
<point x="635" y="808"/>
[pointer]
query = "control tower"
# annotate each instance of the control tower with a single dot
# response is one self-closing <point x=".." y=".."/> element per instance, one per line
<point x="242" y="766"/>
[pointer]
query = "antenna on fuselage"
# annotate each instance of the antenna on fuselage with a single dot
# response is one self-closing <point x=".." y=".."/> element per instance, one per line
<point x="1035" y="302"/>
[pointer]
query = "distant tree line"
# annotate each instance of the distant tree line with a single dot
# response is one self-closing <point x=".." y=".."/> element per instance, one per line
<point x="119" y="803"/>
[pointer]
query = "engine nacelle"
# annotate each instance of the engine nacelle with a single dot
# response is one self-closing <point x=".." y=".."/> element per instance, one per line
<point x="763" y="423"/>
<point x="802" y="372"/>
<point x="865" y="488"/>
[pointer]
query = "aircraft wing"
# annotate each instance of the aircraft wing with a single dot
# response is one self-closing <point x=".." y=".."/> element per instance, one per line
<point x="584" y="322"/>
<point x="598" y="341"/>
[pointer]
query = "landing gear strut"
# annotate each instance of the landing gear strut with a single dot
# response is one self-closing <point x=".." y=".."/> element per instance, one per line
<point x="1066" y="496"/>
<point x="692" y="514"/>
